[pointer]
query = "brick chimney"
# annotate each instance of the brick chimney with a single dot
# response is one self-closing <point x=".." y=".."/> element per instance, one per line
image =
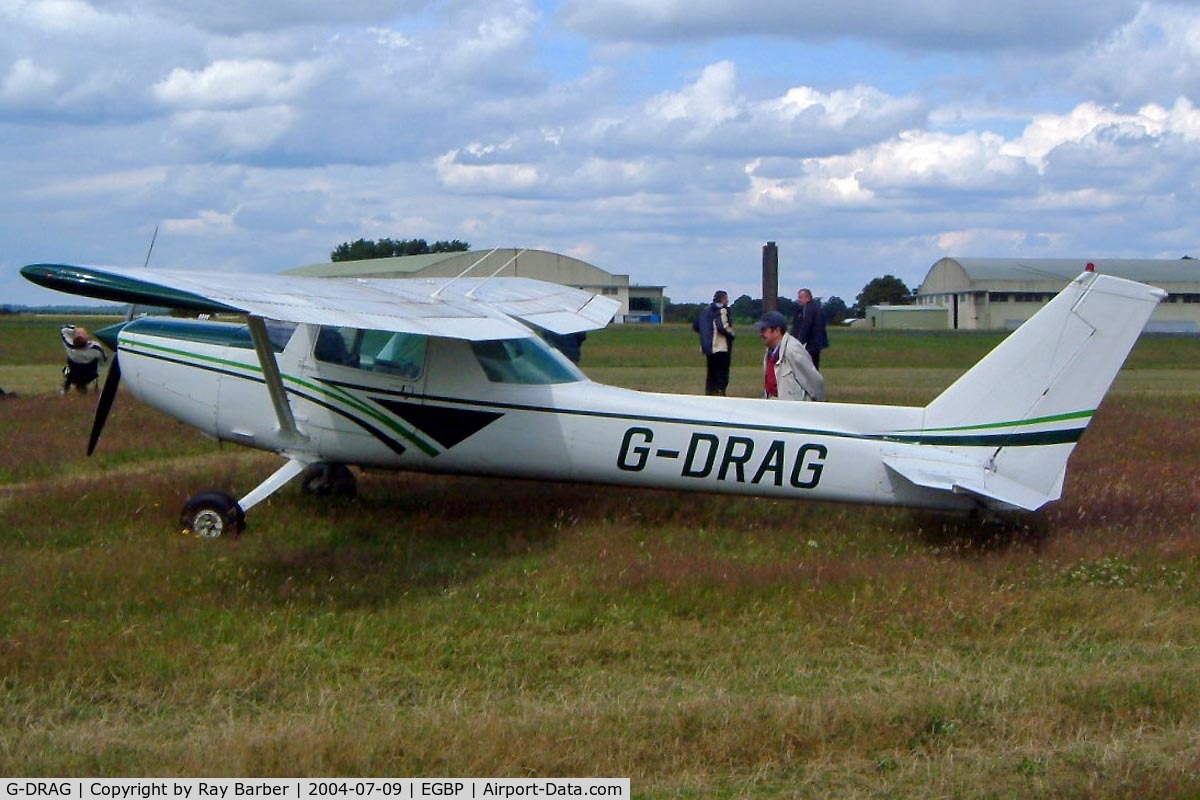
<point x="770" y="277"/>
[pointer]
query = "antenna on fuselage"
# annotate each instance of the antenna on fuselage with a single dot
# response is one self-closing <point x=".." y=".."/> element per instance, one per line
<point x="153" y="239"/>
<point x="442" y="288"/>
<point x="145" y="264"/>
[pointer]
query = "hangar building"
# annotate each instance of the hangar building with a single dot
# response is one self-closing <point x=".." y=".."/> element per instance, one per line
<point x="905" y="318"/>
<point x="638" y="303"/>
<point x="1001" y="293"/>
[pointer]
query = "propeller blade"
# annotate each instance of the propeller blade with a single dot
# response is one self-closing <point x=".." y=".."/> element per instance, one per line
<point x="107" y="395"/>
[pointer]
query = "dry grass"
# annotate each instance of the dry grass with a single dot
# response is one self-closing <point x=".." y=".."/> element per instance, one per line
<point x="703" y="646"/>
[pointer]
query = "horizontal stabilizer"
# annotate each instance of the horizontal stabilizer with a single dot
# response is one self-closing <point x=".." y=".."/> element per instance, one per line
<point x="963" y="477"/>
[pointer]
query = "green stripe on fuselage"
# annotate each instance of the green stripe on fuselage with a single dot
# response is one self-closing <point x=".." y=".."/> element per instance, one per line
<point x="331" y="392"/>
<point x="1015" y="424"/>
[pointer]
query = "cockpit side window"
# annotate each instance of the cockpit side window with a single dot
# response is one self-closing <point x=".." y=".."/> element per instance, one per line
<point x="528" y="361"/>
<point x="388" y="352"/>
<point x="280" y="333"/>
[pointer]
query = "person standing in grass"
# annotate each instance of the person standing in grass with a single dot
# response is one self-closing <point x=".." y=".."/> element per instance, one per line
<point x="716" y="342"/>
<point x="808" y="326"/>
<point x="788" y="371"/>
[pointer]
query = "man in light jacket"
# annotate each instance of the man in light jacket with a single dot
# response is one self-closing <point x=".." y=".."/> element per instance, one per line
<point x="788" y="371"/>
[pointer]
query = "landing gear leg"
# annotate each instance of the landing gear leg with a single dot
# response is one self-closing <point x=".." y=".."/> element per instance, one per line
<point x="215" y="514"/>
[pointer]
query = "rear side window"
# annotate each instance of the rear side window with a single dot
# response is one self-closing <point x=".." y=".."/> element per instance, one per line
<point x="528" y="361"/>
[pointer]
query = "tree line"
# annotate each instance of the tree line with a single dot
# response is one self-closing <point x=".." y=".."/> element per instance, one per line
<point x="886" y="290"/>
<point x="364" y="249"/>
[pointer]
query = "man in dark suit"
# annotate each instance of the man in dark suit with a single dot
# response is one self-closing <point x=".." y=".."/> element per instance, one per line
<point x="809" y="325"/>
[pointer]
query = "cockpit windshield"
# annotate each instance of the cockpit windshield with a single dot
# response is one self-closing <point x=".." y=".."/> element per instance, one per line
<point x="529" y="361"/>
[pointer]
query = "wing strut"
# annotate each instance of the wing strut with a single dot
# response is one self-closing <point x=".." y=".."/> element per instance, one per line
<point x="270" y="369"/>
<point x="438" y="291"/>
<point x="497" y="272"/>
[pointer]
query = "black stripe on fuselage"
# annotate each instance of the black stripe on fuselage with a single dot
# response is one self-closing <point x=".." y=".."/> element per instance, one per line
<point x="392" y="443"/>
<point x="1061" y="436"/>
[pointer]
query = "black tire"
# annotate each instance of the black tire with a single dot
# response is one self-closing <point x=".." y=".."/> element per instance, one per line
<point x="212" y="515"/>
<point x="328" y="480"/>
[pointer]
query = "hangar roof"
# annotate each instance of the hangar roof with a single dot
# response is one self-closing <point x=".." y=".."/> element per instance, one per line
<point x="960" y="274"/>
<point x="522" y="263"/>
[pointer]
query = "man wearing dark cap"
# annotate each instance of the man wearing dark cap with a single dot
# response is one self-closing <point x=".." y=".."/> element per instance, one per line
<point x="788" y="371"/>
<point x="716" y="341"/>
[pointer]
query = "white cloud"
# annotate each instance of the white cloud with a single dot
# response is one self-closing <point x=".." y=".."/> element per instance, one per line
<point x="939" y="160"/>
<point x="1155" y="56"/>
<point x="484" y="178"/>
<point x="1091" y="125"/>
<point x="57" y="16"/>
<point x="240" y="132"/>
<point x="113" y="184"/>
<point x="236" y="84"/>
<point x="206" y="223"/>
<point x="27" y="80"/>
<point x="984" y="240"/>
<point x="711" y="100"/>
<point x="713" y="114"/>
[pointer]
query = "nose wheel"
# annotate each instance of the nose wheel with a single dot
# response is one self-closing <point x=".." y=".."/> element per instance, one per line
<point x="212" y="515"/>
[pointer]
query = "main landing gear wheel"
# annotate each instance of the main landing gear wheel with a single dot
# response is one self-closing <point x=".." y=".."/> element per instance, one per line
<point x="328" y="480"/>
<point x="211" y="515"/>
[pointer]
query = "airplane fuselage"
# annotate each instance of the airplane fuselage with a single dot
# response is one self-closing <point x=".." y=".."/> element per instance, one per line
<point x="512" y="408"/>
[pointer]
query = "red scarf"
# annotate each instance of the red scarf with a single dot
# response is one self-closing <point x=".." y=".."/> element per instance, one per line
<point x="772" y="384"/>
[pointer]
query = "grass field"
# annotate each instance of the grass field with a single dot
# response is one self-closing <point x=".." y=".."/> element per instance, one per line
<point x="702" y="646"/>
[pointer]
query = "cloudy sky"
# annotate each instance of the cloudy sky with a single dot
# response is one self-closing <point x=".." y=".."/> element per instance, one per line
<point x="666" y="139"/>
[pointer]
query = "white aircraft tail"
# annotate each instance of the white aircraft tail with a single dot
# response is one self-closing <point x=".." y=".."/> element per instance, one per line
<point x="1003" y="431"/>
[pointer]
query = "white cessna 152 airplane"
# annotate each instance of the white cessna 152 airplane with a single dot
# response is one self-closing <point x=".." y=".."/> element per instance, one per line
<point x="449" y="376"/>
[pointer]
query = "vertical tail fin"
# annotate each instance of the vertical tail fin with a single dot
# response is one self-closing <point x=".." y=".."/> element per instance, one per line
<point x="1018" y="413"/>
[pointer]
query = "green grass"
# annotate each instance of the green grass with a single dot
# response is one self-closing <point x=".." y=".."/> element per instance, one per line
<point x="28" y="339"/>
<point x="703" y="646"/>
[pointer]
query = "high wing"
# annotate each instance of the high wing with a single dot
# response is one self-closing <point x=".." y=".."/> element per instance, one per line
<point x="465" y="308"/>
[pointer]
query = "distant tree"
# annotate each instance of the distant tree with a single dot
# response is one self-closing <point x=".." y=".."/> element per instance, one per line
<point x="886" y="291"/>
<point x="363" y="249"/>
<point x="681" y="312"/>
<point x="835" y="309"/>
<point x="786" y="307"/>
<point x="746" y="309"/>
